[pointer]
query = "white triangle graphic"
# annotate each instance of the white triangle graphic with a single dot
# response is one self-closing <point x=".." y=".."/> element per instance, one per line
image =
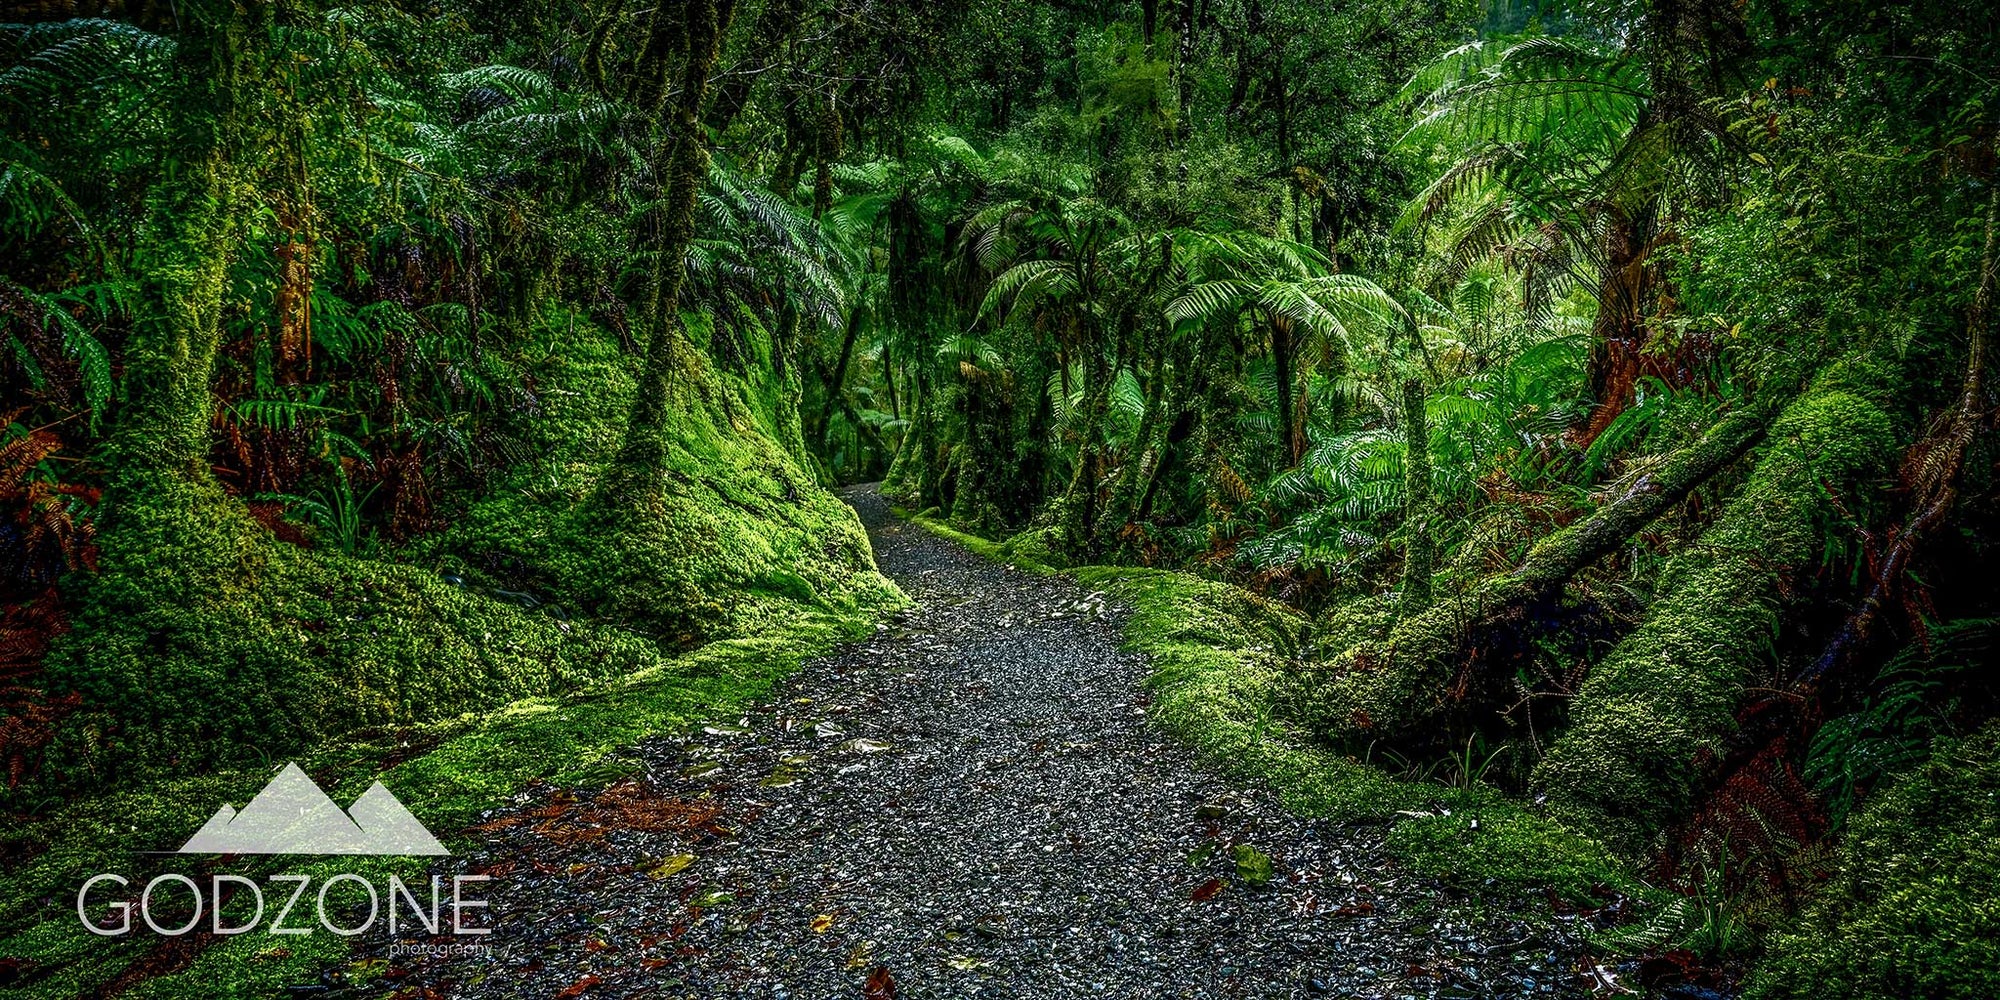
<point x="388" y="827"/>
<point x="293" y="816"/>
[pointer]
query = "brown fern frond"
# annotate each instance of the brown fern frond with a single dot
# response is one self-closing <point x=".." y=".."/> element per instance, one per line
<point x="1232" y="484"/>
<point x="19" y="457"/>
<point x="28" y="715"/>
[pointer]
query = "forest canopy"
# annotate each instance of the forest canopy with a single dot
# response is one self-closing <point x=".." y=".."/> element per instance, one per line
<point x="1593" y="388"/>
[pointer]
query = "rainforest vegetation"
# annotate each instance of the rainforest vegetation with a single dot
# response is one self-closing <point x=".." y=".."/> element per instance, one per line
<point x="1588" y="399"/>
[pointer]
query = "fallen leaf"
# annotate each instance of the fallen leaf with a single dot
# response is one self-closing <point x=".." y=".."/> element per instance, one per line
<point x="1252" y="865"/>
<point x="880" y="985"/>
<point x="860" y="955"/>
<point x="672" y="866"/>
<point x="822" y="923"/>
<point x="1208" y="890"/>
<point x="577" y="988"/>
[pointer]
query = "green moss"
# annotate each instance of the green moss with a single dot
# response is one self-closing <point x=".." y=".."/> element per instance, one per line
<point x="213" y="644"/>
<point x="736" y="535"/>
<point x="1036" y="545"/>
<point x="474" y="762"/>
<point x="1669" y="691"/>
<point x="1000" y="552"/>
<point x="1914" y="908"/>
<point x="1488" y="839"/>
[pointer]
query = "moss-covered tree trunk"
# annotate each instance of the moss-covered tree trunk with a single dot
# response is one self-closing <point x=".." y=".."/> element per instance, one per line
<point x="1282" y="349"/>
<point x="165" y="527"/>
<point x="1400" y="685"/>
<point x="1419" y="547"/>
<point x="836" y="384"/>
<point x="695" y="29"/>
<point x="1629" y="763"/>
<point x="1076" y="509"/>
<point x="1123" y="506"/>
<point x="986" y="418"/>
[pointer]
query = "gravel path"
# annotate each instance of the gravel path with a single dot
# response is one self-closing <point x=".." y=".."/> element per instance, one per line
<point x="969" y="804"/>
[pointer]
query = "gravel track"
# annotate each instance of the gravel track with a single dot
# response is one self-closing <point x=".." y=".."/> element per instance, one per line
<point x="970" y="803"/>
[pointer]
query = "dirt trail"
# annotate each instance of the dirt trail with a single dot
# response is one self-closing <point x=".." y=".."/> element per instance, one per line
<point x="969" y="804"/>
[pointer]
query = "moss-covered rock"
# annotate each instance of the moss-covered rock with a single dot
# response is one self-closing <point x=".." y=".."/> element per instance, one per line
<point x="1913" y="912"/>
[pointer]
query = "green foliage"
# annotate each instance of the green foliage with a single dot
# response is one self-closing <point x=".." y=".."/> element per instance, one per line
<point x="1904" y="714"/>
<point x="1911" y="911"/>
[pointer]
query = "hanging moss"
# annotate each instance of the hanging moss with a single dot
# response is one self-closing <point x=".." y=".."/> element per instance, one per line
<point x="1668" y="692"/>
<point x="1913" y="910"/>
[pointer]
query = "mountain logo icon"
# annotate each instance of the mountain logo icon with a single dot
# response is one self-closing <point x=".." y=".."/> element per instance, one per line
<point x="292" y="816"/>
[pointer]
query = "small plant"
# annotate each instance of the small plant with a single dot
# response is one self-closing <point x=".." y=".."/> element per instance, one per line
<point x="1468" y="768"/>
<point x="1713" y="927"/>
<point x="1909" y="708"/>
<point x="334" y="512"/>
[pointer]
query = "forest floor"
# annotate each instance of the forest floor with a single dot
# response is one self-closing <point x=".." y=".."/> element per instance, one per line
<point x="971" y="803"/>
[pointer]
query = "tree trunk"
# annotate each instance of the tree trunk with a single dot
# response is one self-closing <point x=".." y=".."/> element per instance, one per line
<point x="836" y="386"/>
<point x="1123" y="505"/>
<point x="1662" y="702"/>
<point x="1281" y="364"/>
<point x="1420" y="549"/>
<point x="1618" y="334"/>
<point x="1401" y="684"/>
<point x="644" y="450"/>
<point x="1077" y="508"/>
<point x="167" y="533"/>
